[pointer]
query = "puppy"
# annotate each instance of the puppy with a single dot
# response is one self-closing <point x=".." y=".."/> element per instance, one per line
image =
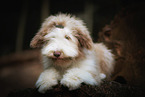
<point x="69" y="55"/>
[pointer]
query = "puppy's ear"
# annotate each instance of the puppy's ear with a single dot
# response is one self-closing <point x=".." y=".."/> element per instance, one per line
<point x="38" y="40"/>
<point x="84" y="40"/>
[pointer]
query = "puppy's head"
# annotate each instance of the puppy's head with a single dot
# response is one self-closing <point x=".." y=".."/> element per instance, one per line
<point x="62" y="37"/>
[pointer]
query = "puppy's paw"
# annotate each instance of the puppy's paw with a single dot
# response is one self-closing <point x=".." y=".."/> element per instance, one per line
<point x="71" y="81"/>
<point x="47" y="80"/>
<point x="43" y="85"/>
<point x="74" y="77"/>
<point x="102" y="76"/>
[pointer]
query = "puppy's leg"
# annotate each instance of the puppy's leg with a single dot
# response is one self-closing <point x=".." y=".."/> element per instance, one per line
<point x="74" y="77"/>
<point x="47" y="79"/>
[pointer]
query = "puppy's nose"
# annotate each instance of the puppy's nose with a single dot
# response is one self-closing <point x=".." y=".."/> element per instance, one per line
<point x="57" y="53"/>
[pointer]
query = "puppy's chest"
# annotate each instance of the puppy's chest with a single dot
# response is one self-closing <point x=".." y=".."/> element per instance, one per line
<point x="65" y="69"/>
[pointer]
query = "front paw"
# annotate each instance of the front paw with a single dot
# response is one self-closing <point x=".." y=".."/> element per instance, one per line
<point x="74" y="77"/>
<point x="47" y="80"/>
<point x="72" y="82"/>
<point x="43" y="85"/>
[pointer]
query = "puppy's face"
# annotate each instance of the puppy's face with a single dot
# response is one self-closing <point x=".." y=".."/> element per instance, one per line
<point x="60" y="43"/>
<point x="62" y="38"/>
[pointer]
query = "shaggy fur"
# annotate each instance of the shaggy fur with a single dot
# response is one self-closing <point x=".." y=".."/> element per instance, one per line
<point x="69" y="55"/>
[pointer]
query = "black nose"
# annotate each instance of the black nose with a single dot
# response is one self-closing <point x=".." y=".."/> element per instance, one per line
<point x="57" y="54"/>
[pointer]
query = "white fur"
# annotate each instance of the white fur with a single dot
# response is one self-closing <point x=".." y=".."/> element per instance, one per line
<point x="57" y="39"/>
<point x="47" y="79"/>
<point x="71" y="69"/>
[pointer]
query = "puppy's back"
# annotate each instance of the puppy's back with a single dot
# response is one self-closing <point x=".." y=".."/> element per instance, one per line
<point x="105" y="58"/>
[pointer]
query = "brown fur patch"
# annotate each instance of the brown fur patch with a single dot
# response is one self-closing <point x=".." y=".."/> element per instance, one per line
<point x="60" y="24"/>
<point x="38" y="39"/>
<point x="84" y="40"/>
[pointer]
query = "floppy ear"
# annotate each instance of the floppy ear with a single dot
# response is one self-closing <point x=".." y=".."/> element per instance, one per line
<point x="37" y="41"/>
<point x="84" y="39"/>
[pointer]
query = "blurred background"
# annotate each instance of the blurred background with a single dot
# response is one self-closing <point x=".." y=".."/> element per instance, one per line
<point x="20" y="66"/>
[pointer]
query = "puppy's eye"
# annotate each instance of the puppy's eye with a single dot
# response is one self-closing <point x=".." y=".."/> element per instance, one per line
<point x="53" y="37"/>
<point x="46" y="42"/>
<point x="67" y="37"/>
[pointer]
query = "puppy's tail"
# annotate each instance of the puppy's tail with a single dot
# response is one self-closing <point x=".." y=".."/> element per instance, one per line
<point x="106" y="59"/>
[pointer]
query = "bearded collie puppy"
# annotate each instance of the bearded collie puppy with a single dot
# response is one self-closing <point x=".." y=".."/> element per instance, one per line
<point x="69" y="55"/>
